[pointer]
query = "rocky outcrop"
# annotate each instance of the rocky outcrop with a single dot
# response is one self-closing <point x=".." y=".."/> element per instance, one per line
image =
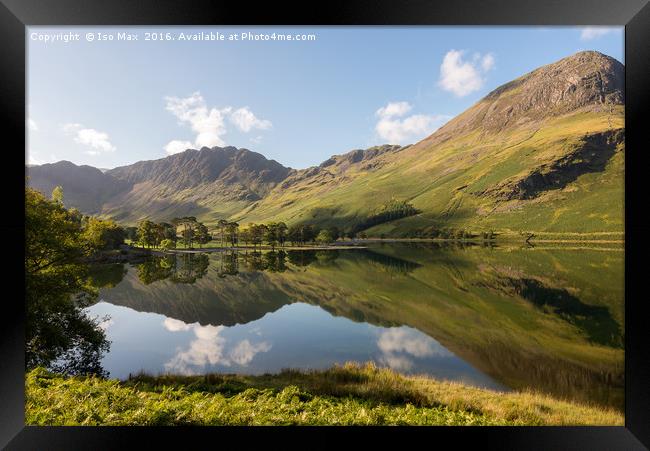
<point x="591" y="154"/>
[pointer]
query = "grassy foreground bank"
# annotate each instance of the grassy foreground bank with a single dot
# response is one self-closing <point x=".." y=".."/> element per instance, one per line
<point x="352" y="394"/>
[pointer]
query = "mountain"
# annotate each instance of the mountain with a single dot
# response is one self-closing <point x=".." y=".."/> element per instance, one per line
<point x="543" y="153"/>
<point x="208" y="183"/>
<point x="85" y="187"/>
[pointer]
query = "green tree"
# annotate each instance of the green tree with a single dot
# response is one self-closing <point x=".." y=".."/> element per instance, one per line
<point x="232" y="233"/>
<point x="131" y="233"/>
<point x="294" y="234"/>
<point x="167" y="231"/>
<point x="147" y="233"/>
<point x="189" y="226"/>
<point x="245" y="235"/>
<point x="59" y="335"/>
<point x="221" y="225"/>
<point x="324" y="237"/>
<point x="167" y="244"/>
<point x="57" y="194"/>
<point x="281" y="232"/>
<point x="271" y="234"/>
<point x="103" y="235"/>
<point x="202" y="235"/>
<point x="334" y="232"/>
<point x="187" y="236"/>
<point x="308" y="233"/>
<point x="76" y="216"/>
<point x="257" y="232"/>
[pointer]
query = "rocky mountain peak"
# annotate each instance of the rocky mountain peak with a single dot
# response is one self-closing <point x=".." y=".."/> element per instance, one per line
<point x="586" y="81"/>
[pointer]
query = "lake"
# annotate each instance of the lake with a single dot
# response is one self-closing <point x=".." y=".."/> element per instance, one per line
<point x="503" y="318"/>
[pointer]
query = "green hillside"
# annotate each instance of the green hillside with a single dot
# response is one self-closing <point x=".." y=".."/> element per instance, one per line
<point x="533" y="155"/>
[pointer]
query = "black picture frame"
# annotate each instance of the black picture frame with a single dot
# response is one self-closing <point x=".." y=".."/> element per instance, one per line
<point x="15" y="15"/>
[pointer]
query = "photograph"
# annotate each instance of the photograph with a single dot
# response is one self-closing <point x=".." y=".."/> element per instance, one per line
<point x="325" y="225"/>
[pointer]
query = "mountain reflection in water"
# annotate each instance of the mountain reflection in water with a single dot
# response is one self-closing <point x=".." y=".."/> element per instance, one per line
<point x="546" y="320"/>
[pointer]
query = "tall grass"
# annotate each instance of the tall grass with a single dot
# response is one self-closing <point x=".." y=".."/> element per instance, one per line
<point x="352" y="394"/>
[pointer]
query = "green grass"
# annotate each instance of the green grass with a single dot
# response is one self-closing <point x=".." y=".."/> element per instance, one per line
<point x="443" y="181"/>
<point x="344" y="395"/>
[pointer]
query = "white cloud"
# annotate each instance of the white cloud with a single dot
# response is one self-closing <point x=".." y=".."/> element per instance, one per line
<point x="463" y="77"/>
<point x="70" y="129"/>
<point x="209" y="348"/>
<point x="206" y="349"/>
<point x="31" y="125"/>
<point x="589" y="33"/>
<point x="32" y="159"/>
<point x="487" y="62"/>
<point x="89" y="137"/>
<point x="400" y="346"/>
<point x="408" y="341"/>
<point x="36" y="158"/>
<point x="243" y="353"/>
<point x="177" y="146"/>
<point x="209" y="124"/>
<point x="245" y="120"/>
<point x="394" y="109"/>
<point x="397" y="363"/>
<point x="256" y="139"/>
<point x="396" y="130"/>
<point x="175" y="325"/>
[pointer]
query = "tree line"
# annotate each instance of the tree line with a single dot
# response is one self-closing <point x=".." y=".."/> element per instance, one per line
<point x="165" y="234"/>
<point x="278" y="234"/>
<point x="189" y="231"/>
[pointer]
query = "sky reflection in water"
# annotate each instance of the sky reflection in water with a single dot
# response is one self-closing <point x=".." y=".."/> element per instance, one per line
<point x="295" y="336"/>
<point x="527" y="319"/>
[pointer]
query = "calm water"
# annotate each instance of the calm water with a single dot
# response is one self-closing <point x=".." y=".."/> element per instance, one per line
<point x="549" y="320"/>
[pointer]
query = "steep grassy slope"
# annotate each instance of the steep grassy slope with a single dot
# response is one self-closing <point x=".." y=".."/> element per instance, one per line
<point x="544" y="152"/>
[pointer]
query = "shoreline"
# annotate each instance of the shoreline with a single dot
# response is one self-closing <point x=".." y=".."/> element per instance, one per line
<point x="363" y="244"/>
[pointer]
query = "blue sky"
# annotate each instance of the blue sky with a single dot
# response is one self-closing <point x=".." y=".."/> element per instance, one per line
<point x="111" y="103"/>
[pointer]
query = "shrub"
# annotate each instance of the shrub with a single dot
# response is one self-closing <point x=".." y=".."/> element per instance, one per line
<point x="167" y="244"/>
